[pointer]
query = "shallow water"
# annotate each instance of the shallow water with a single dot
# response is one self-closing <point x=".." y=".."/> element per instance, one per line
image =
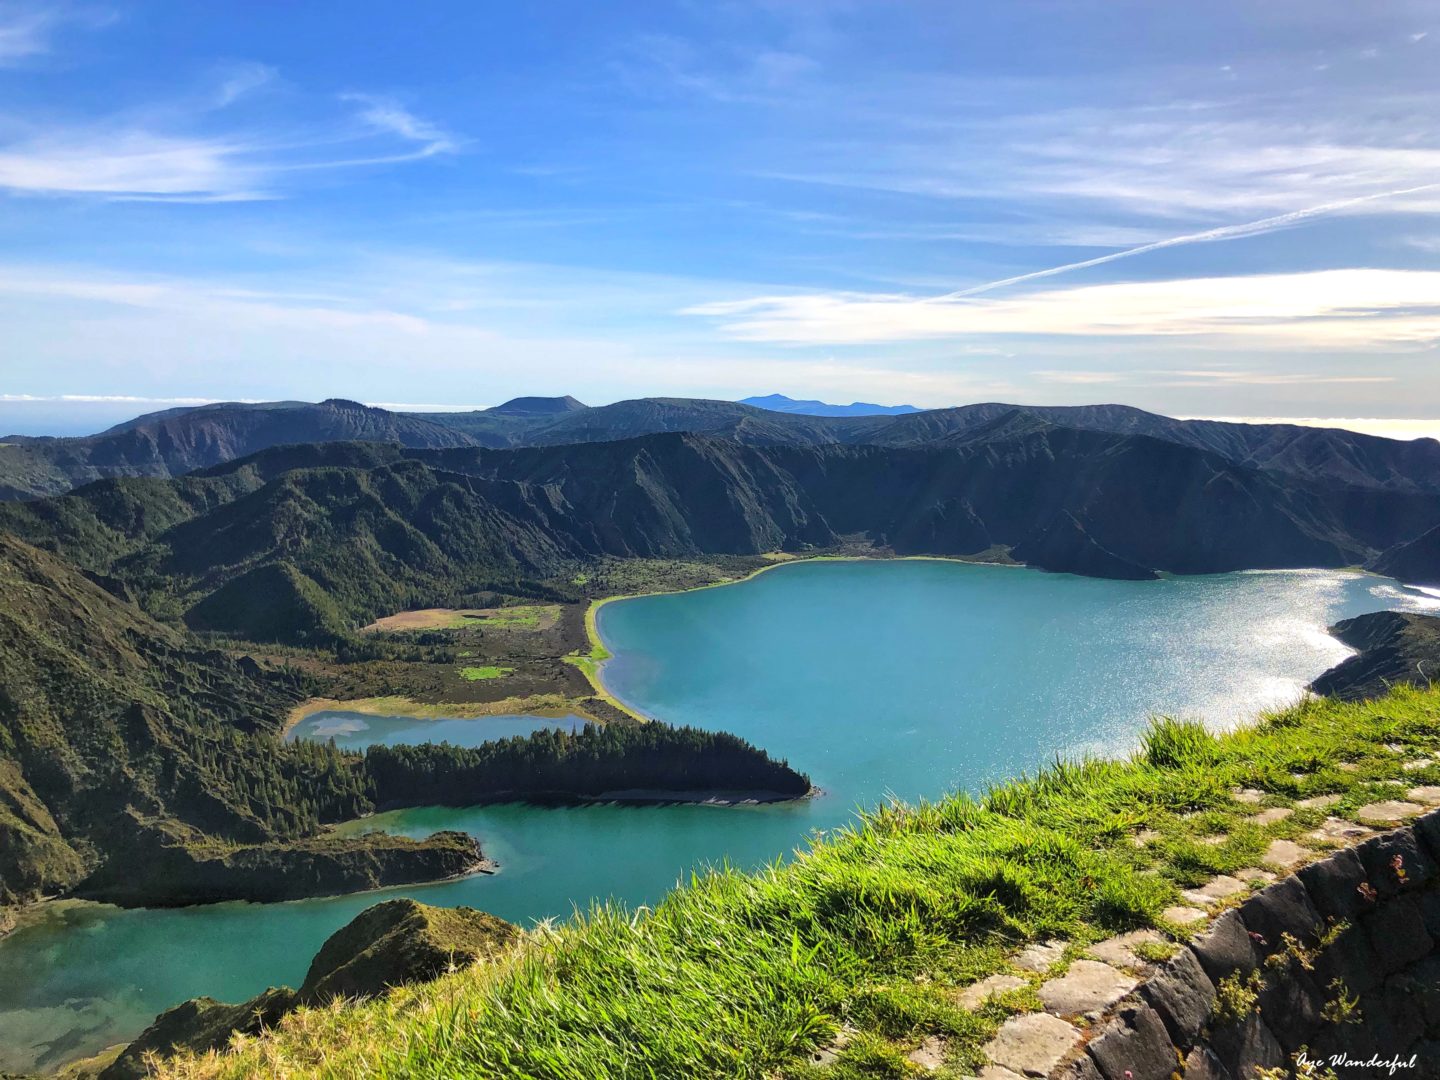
<point x="355" y="731"/>
<point x="909" y="678"/>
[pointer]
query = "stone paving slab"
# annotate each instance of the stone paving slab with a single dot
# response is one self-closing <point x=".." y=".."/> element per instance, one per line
<point x="1182" y="916"/>
<point x="1040" y="957"/>
<point x="1285" y="854"/>
<point x="1032" y="1044"/>
<point x="1213" y="891"/>
<point x="1336" y="830"/>
<point x="929" y="1055"/>
<point x="976" y="994"/>
<point x="1390" y="810"/>
<point x="1254" y="873"/>
<point x="1087" y="989"/>
<point x="1430" y="796"/>
<point x="1318" y="802"/>
<point x="1248" y="795"/>
<point x="1270" y="815"/>
<point x="1119" y="951"/>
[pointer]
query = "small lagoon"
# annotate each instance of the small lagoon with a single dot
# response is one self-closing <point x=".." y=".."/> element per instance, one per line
<point x="355" y="731"/>
<point x="907" y="677"/>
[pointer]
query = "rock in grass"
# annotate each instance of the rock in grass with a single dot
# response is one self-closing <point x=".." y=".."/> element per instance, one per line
<point x="402" y="941"/>
<point x="198" y="1025"/>
<point x="396" y="942"/>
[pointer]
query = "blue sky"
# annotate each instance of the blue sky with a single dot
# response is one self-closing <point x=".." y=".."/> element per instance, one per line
<point x="454" y="203"/>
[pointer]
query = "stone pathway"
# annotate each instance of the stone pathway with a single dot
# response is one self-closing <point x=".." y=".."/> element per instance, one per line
<point x="1031" y="1045"/>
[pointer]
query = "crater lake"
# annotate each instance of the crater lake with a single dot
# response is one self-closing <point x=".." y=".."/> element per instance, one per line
<point x="897" y="678"/>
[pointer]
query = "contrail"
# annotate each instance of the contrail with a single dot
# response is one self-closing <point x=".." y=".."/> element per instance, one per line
<point x="1225" y="232"/>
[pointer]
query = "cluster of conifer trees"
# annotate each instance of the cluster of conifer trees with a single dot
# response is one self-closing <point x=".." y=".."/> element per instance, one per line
<point x="560" y="765"/>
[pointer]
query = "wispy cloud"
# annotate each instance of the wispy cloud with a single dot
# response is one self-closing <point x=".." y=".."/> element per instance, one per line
<point x="239" y="80"/>
<point x="388" y="116"/>
<point x="1352" y="308"/>
<point x="26" y="29"/>
<point x="1206" y="236"/>
<point x="133" y="164"/>
<point x="133" y="161"/>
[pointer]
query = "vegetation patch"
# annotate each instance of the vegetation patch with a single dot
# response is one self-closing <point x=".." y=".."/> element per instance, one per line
<point x="484" y="671"/>
<point x="516" y="617"/>
<point x="872" y="929"/>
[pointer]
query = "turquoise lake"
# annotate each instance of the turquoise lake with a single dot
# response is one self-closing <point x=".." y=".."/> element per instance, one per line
<point x="908" y="678"/>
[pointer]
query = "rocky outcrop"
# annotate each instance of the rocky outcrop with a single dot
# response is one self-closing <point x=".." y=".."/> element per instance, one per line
<point x="1065" y="546"/>
<point x="1416" y="562"/>
<point x="391" y="944"/>
<point x="402" y="941"/>
<point x="1395" y="648"/>
<point x="198" y="1025"/>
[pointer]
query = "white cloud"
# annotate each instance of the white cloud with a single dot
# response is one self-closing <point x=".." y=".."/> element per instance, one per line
<point x="1385" y="427"/>
<point x="105" y="399"/>
<point x="131" y="164"/>
<point x="389" y="117"/>
<point x="1350" y="308"/>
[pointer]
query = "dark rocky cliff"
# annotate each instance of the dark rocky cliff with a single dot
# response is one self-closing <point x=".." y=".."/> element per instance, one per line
<point x="1395" y="648"/>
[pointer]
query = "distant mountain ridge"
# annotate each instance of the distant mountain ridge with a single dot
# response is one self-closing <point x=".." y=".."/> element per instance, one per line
<point x="811" y="407"/>
<point x="308" y="542"/>
<point x="178" y="441"/>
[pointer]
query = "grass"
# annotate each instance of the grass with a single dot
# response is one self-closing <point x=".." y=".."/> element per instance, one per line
<point x="484" y="671"/>
<point x="553" y="705"/>
<point x="873" y="929"/>
<point x="515" y="617"/>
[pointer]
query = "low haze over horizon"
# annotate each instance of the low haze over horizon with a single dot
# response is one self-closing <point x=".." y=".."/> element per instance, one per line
<point x="1228" y="212"/>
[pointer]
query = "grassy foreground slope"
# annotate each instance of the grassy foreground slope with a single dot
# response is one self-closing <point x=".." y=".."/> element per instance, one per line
<point x="873" y="929"/>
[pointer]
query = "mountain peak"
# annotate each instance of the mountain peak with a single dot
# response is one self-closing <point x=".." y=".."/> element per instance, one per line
<point x="539" y="406"/>
<point x="811" y="407"/>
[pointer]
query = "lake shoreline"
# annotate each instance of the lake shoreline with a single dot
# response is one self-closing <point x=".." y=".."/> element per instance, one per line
<point x="590" y="663"/>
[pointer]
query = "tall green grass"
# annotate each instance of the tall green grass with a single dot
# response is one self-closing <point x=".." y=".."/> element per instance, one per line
<point x="873" y="929"/>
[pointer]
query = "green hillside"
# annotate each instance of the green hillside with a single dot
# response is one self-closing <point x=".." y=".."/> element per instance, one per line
<point x="139" y="767"/>
<point x="308" y="544"/>
<point x="873" y="932"/>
